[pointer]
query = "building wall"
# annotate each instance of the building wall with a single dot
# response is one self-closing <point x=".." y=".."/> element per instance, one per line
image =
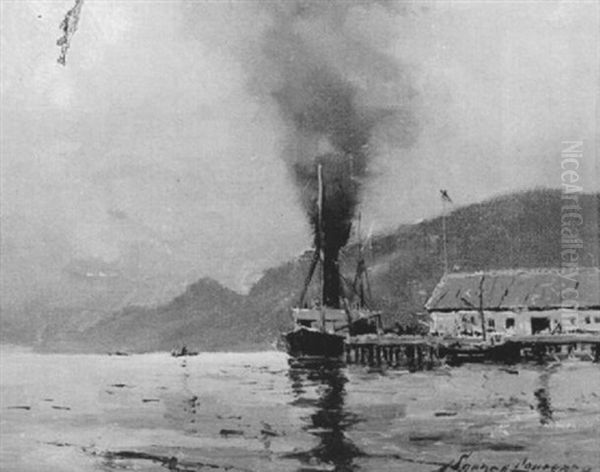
<point x="588" y="320"/>
<point x="511" y="322"/>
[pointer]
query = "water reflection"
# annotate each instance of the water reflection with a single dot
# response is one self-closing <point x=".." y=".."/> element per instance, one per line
<point x="542" y="395"/>
<point x="327" y="420"/>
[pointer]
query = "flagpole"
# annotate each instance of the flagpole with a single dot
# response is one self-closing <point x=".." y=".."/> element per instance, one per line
<point x="445" y="199"/>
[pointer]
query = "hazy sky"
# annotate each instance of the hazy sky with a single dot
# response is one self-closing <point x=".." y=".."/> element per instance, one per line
<point x="154" y="158"/>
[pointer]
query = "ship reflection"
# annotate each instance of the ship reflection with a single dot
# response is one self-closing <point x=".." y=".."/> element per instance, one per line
<point x="327" y="419"/>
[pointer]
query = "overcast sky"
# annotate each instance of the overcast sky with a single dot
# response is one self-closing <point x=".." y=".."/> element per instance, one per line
<point x="152" y="156"/>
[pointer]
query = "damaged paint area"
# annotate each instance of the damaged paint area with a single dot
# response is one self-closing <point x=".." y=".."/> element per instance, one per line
<point x="68" y="26"/>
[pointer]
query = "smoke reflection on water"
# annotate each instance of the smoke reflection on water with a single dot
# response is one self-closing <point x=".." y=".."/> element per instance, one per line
<point x="328" y="420"/>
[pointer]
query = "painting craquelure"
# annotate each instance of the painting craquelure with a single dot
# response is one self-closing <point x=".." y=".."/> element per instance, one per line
<point x="300" y="235"/>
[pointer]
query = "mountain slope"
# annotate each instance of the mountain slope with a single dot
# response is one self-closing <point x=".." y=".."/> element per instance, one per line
<point x="519" y="230"/>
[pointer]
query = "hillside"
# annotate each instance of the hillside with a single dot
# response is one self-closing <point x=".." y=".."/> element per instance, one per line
<point x="519" y="230"/>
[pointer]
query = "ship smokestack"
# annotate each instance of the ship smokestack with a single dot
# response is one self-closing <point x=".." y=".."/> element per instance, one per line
<point x="333" y="223"/>
<point x="341" y="98"/>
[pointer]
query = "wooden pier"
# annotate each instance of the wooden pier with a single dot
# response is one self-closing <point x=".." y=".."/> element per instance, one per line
<point x="555" y="347"/>
<point x="412" y="352"/>
<point x="426" y="352"/>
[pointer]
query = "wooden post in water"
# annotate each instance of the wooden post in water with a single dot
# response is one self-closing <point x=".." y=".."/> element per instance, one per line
<point x="419" y="357"/>
<point x="429" y="357"/>
<point x="348" y="351"/>
<point x="539" y="351"/>
<point x="410" y="352"/>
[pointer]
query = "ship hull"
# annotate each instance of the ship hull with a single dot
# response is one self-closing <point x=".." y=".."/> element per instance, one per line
<point x="310" y="343"/>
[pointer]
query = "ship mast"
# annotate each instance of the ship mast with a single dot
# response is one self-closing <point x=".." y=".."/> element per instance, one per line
<point x="318" y="256"/>
<point x="361" y="284"/>
<point x="320" y="240"/>
<point x="360" y="266"/>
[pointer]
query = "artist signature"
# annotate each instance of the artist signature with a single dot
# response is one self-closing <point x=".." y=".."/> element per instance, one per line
<point x="462" y="464"/>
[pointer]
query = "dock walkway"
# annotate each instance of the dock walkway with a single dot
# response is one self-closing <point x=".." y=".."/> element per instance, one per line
<point x="425" y="352"/>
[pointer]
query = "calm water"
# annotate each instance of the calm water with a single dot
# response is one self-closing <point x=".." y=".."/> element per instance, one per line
<point x="252" y="412"/>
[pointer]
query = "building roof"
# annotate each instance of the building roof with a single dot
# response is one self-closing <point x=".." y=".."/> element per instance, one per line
<point x="532" y="289"/>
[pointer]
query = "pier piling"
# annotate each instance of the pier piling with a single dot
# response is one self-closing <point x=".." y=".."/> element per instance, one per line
<point x="425" y="352"/>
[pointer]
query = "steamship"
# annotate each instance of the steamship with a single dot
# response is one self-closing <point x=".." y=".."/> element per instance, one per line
<point x="320" y="330"/>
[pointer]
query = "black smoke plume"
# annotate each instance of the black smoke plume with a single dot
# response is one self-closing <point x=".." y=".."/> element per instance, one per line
<point x="341" y="99"/>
